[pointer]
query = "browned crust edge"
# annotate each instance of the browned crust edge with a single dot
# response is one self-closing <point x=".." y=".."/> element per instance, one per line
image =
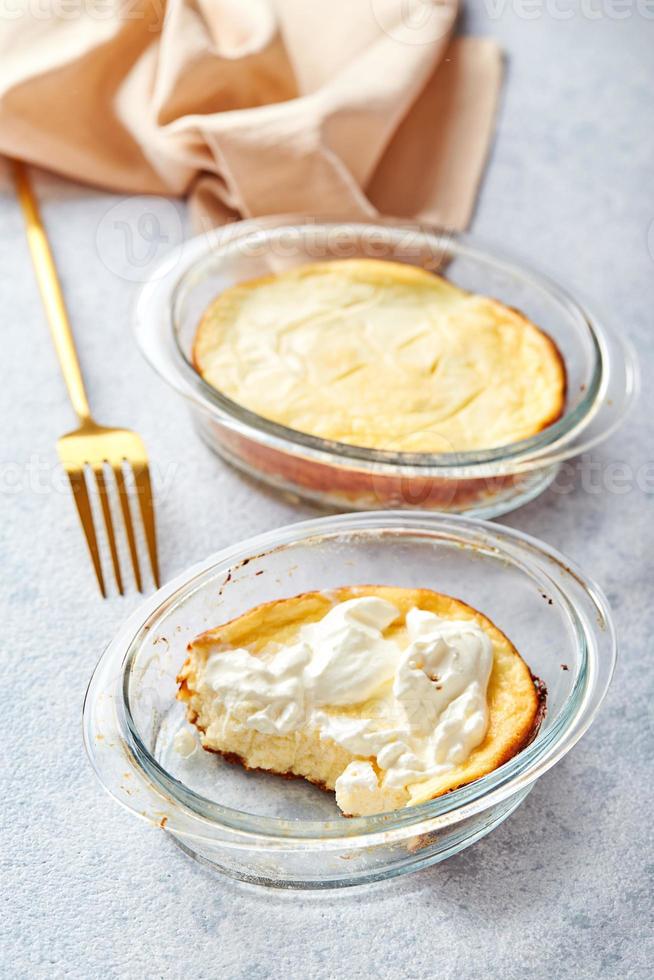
<point x="558" y="356"/>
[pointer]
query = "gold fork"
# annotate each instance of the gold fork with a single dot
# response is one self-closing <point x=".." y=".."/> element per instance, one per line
<point x="91" y="447"/>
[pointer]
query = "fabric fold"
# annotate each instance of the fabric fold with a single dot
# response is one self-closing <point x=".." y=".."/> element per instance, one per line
<point x="254" y="109"/>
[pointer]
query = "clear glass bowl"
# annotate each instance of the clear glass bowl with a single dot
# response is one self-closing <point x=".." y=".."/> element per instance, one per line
<point x="601" y="369"/>
<point x="267" y="830"/>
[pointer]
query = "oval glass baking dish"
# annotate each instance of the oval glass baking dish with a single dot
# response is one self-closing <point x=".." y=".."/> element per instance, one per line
<point x="601" y="371"/>
<point x="268" y="830"/>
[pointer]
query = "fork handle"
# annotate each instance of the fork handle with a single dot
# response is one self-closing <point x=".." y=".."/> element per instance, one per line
<point x="50" y="289"/>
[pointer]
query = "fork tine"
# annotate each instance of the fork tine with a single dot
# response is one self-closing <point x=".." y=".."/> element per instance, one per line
<point x="144" y="492"/>
<point x="119" y="476"/>
<point x="81" y="496"/>
<point x="98" y="470"/>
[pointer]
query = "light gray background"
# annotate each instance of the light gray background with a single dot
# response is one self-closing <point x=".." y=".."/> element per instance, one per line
<point x="560" y="890"/>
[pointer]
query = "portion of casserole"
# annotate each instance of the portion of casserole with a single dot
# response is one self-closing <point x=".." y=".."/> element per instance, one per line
<point x="388" y="696"/>
<point x="381" y="355"/>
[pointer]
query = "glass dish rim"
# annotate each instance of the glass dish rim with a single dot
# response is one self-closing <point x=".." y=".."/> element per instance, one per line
<point x="574" y="717"/>
<point x="553" y="436"/>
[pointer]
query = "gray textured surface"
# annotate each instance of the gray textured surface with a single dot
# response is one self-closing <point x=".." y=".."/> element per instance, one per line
<point x="562" y="889"/>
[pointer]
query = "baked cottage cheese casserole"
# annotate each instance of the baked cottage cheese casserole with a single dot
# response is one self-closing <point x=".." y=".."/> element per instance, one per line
<point x="388" y="696"/>
<point x="382" y="355"/>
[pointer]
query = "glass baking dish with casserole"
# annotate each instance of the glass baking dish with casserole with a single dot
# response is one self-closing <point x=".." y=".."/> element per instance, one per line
<point x="599" y="367"/>
<point x="259" y="827"/>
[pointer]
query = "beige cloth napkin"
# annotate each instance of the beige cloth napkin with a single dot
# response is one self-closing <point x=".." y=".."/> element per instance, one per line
<point x="256" y="107"/>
